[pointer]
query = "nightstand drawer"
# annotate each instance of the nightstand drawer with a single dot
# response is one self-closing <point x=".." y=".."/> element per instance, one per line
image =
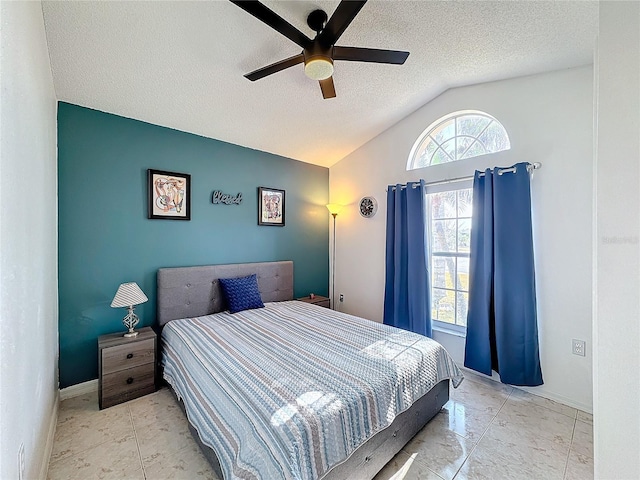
<point x="126" y="356"/>
<point x="128" y="384"/>
<point x="324" y="303"/>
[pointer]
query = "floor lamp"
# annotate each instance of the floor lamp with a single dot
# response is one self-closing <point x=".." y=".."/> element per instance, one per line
<point x="334" y="209"/>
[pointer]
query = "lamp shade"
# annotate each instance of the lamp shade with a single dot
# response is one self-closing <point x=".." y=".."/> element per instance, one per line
<point x="128" y="294"/>
<point x="334" y="208"/>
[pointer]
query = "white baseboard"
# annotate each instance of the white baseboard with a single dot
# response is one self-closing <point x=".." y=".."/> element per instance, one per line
<point x="539" y="391"/>
<point x="48" y="447"/>
<point x="79" y="389"/>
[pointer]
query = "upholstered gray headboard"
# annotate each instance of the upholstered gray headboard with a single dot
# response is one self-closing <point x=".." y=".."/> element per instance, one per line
<point x="195" y="291"/>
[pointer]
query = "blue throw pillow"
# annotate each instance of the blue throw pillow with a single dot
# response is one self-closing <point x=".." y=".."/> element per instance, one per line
<point x="241" y="293"/>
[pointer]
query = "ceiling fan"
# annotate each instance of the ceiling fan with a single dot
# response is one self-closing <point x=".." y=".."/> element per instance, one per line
<point x="319" y="54"/>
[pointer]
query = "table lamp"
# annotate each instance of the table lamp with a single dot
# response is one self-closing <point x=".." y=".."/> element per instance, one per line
<point x="128" y="296"/>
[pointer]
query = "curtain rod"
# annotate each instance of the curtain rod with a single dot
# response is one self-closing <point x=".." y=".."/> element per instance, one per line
<point x="531" y="167"/>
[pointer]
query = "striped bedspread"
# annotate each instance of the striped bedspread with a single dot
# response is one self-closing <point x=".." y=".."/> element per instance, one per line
<point x="290" y="390"/>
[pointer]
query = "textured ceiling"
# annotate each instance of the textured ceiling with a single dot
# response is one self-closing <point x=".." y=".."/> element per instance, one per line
<point x="181" y="64"/>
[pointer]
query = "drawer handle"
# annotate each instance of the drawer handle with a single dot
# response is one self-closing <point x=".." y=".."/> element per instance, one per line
<point x="129" y="380"/>
<point x="130" y="355"/>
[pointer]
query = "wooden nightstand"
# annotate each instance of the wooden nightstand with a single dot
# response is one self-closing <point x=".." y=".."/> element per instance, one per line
<point x="317" y="300"/>
<point x="127" y="366"/>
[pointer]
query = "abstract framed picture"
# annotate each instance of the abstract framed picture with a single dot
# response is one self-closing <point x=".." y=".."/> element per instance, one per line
<point x="271" y="206"/>
<point x="169" y="195"/>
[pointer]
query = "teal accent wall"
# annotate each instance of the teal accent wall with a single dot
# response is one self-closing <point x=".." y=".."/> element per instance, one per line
<point x="105" y="238"/>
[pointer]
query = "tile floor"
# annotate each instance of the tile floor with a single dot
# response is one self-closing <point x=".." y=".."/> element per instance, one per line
<point x="486" y="431"/>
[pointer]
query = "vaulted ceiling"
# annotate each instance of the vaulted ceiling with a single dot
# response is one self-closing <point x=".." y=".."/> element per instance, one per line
<point x="181" y="64"/>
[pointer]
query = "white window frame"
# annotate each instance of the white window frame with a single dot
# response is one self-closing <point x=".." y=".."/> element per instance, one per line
<point x="429" y="131"/>
<point x="459" y="330"/>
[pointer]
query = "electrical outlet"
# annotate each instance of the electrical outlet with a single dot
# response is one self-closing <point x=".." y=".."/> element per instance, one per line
<point x="342" y="297"/>
<point x="579" y="347"/>
<point x="21" y="462"/>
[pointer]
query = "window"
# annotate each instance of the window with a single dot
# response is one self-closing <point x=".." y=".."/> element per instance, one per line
<point x="450" y="225"/>
<point x="457" y="136"/>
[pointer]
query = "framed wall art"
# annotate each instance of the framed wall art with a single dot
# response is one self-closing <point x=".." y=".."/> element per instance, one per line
<point x="271" y="204"/>
<point x="169" y="195"/>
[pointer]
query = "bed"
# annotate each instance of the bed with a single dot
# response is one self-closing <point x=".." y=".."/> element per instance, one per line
<point x="292" y="390"/>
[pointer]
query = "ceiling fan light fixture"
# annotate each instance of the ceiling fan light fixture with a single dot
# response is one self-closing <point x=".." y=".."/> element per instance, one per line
<point x="318" y="68"/>
<point x="318" y="53"/>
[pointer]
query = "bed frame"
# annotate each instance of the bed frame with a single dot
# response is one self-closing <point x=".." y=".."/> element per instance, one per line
<point x="195" y="291"/>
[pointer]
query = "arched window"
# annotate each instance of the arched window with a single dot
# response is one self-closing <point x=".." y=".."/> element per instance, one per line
<point x="457" y="136"/>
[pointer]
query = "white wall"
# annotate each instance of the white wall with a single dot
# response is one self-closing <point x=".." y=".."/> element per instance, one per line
<point x="549" y="119"/>
<point x="28" y="241"/>
<point x="617" y="244"/>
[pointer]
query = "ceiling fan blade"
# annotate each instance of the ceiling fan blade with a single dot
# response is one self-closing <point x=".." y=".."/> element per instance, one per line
<point x="274" y="20"/>
<point x="328" y="88"/>
<point x="357" y="54"/>
<point x="339" y="21"/>
<point x="275" y="67"/>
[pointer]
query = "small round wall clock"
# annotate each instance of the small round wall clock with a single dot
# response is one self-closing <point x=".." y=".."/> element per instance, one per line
<point x="368" y="207"/>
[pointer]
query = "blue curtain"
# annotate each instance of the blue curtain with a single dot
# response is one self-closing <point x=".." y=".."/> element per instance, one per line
<point x="502" y="329"/>
<point x="407" y="294"/>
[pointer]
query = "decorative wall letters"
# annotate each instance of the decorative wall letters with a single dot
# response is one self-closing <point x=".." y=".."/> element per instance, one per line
<point x="226" y="199"/>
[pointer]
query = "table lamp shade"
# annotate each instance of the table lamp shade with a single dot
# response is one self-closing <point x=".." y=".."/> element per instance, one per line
<point x="128" y="294"/>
